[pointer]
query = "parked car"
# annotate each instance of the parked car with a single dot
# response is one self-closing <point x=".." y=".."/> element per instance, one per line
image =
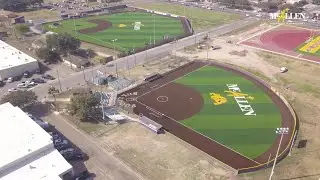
<point x="84" y="176"/>
<point x="2" y="83"/>
<point x="37" y="80"/>
<point x="59" y="142"/>
<point x="62" y="147"/>
<point x="54" y="135"/>
<point x="26" y="74"/>
<point x="23" y="85"/>
<point x="215" y="47"/>
<point x="38" y="71"/>
<point x="47" y="76"/>
<point x="12" y="89"/>
<point x="74" y="156"/>
<point x="10" y="80"/>
<point x="67" y="151"/>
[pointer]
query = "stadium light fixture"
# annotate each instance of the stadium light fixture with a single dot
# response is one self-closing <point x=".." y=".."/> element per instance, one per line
<point x="280" y="131"/>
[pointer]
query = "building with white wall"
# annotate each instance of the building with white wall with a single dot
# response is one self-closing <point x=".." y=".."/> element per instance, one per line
<point x="27" y="151"/>
<point x="292" y="1"/>
<point x="14" y="62"/>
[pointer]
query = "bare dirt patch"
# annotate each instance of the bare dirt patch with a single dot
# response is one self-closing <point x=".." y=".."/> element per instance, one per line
<point x="161" y="156"/>
<point x="101" y="25"/>
<point x="242" y="53"/>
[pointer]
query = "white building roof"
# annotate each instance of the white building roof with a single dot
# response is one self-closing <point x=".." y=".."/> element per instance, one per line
<point x="48" y="167"/>
<point x="27" y="150"/>
<point x="11" y="56"/>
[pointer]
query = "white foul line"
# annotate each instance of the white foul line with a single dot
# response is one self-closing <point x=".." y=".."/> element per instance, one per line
<point x="170" y="81"/>
<point x="147" y="107"/>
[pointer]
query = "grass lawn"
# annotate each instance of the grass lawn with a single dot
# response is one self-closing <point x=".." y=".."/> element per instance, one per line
<point x="127" y="37"/>
<point x="200" y="18"/>
<point x="226" y="123"/>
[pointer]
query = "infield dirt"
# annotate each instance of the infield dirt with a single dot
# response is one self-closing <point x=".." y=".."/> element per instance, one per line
<point x="101" y="25"/>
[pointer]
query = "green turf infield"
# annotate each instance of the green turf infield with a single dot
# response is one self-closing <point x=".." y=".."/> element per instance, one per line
<point x="123" y="29"/>
<point x="251" y="135"/>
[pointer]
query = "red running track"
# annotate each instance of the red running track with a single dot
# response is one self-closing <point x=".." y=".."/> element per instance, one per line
<point x="283" y="41"/>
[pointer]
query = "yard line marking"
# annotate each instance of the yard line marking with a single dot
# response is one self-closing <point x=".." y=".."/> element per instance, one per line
<point x="171" y="81"/>
<point x="199" y="133"/>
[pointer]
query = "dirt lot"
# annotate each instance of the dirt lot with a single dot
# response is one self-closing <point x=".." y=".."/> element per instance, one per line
<point x="160" y="156"/>
<point x="300" y="85"/>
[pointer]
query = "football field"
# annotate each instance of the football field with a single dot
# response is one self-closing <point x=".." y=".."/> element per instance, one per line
<point x="122" y="31"/>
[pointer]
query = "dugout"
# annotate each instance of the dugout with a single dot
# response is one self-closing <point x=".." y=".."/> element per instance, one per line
<point x="150" y="124"/>
<point x="153" y="77"/>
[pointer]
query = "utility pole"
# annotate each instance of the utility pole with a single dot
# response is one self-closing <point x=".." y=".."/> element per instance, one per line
<point x="59" y="81"/>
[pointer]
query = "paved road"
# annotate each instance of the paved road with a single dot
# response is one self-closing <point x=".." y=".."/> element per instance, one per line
<point x="77" y="79"/>
<point x="106" y="167"/>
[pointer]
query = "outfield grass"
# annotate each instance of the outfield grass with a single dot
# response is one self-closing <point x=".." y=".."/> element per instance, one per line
<point x="226" y="123"/>
<point x="127" y="37"/>
<point x="200" y="18"/>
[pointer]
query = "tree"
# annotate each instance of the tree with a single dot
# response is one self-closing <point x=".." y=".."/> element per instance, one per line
<point x="62" y="43"/>
<point x="82" y="104"/>
<point x="13" y="5"/>
<point x="52" y="91"/>
<point x="300" y="3"/>
<point x="21" y="28"/>
<point x="91" y="53"/>
<point x="317" y="2"/>
<point x="22" y="99"/>
<point x="47" y="55"/>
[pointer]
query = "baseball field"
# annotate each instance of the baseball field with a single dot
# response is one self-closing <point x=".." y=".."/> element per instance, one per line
<point x="225" y="117"/>
<point x="122" y="31"/>
<point x="229" y="115"/>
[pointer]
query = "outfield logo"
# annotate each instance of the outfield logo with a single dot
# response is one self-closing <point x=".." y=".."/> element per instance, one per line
<point x="241" y="99"/>
<point x="137" y="26"/>
<point x="122" y="25"/>
<point x="218" y="99"/>
<point x="283" y="15"/>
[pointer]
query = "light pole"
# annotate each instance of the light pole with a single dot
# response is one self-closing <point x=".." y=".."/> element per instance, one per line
<point x="114" y="47"/>
<point x="154" y="29"/>
<point x="208" y="53"/>
<point x="75" y="26"/>
<point x="114" y="54"/>
<point x="59" y="81"/>
<point x="281" y="131"/>
<point x="84" y="76"/>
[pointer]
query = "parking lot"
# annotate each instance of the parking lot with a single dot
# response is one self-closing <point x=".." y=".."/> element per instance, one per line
<point x="69" y="150"/>
<point x="53" y="70"/>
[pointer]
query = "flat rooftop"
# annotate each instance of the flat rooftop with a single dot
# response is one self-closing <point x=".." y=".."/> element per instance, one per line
<point x="48" y="167"/>
<point x="26" y="149"/>
<point x="11" y="56"/>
